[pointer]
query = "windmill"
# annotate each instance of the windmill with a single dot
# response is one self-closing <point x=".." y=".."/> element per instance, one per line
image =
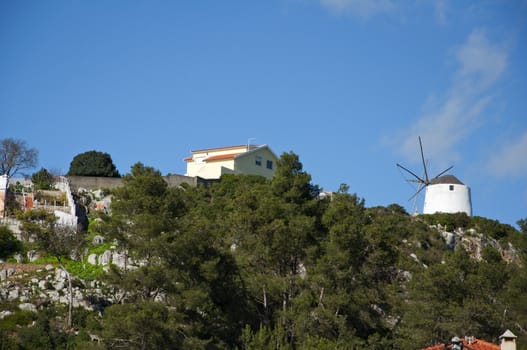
<point x="442" y="193"/>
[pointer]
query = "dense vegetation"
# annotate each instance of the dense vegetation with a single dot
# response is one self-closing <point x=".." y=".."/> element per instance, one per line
<point x="254" y="264"/>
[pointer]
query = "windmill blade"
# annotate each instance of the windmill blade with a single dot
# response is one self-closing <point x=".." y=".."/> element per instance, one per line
<point x="423" y="159"/>
<point x="417" y="177"/>
<point x="444" y="171"/>
<point x="415" y="210"/>
<point x="418" y="191"/>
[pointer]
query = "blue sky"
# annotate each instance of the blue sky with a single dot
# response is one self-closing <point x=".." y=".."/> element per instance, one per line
<point x="348" y="85"/>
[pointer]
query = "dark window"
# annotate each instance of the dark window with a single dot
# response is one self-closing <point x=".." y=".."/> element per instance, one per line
<point x="269" y="164"/>
<point x="451" y="187"/>
<point x="258" y="160"/>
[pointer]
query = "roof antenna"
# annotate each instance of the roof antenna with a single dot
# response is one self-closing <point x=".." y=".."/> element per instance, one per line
<point x="249" y="143"/>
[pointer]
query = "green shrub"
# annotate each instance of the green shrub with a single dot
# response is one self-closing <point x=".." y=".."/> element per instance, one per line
<point x="79" y="269"/>
<point x="450" y="221"/>
<point x="84" y="270"/>
<point x="42" y="180"/>
<point x="18" y="318"/>
<point x="9" y="245"/>
<point x="99" y="249"/>
<point x="492" y="228"/>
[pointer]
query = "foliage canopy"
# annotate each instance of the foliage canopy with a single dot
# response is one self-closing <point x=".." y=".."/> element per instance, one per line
<point x="93" y="163"/>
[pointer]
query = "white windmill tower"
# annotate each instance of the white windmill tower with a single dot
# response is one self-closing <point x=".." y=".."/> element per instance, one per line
<point x="443" y="193"/>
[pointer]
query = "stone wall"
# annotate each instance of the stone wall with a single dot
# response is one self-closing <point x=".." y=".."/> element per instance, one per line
<point x="94" y="183"/>
<point x="174" y="180"/>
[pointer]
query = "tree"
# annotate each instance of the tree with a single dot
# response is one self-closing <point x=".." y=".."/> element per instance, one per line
<point x="42" y="179"/>
<point x="179" y="260"/>
<point x="144" y="209"/>
<point x="272" y="228"/>
<point x="338" y="282"/>
<point x="15" y="156"/>
<point x="291" y="182"/>
<point x="93" y="163"/>
<point x="8" y="243"/>
<point x="522" y="224"/>
<point x="141" y="325"/>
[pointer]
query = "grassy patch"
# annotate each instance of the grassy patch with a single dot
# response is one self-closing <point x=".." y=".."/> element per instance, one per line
<point x="99" y="249"/>
<point x="80" y="269"/>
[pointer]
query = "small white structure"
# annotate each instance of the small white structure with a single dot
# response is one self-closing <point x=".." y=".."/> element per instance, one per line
<point x="508" y="341"/>
<point x="446" y="194"/>
<point x="4" y="183"/>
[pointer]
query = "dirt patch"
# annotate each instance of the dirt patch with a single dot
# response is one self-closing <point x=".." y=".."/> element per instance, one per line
<point x="22" y="267"/>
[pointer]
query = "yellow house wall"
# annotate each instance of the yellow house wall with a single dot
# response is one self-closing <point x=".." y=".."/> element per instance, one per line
<point x="246" y="164"/>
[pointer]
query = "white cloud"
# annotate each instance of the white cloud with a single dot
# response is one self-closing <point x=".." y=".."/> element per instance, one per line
<point x="511" y="160"/>
<point x="451" y="120"/>
<point x="360" y="8"/>
<point x="482" y="63"/>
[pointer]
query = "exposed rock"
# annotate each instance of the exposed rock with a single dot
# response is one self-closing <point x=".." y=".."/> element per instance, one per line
<point x="32" y="255"/>
<point x="4" y="314"/>
<point x="510" y="254"/>
<point x="59" y="285"/>
<point x="474" y="242"/>
<point x="98" y="240"/>
<point x="119" y="260"/>
<point x="27" y="307"/>
<point x="53" y="295"/>
<point x="34" y="289"/>
<point x="92" y="259"/>
<point x="13" y="294"/>
<point x="405" y="275"/>
<point x="450" y="239"/>
<point x="61" y="275"/>
<point x="105" y="258"/>
<point x="42" y="284"/>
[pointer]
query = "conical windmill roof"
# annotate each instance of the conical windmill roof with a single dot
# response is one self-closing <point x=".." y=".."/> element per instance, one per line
<point x="446" y="179"/>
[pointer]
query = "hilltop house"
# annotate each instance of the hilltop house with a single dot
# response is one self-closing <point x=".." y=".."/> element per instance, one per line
<point x="246" y="159"/>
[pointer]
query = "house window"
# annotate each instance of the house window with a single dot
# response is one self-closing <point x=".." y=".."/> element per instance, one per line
<point x="269" y="164"/>
<point x="258" y="161"/>
<point x="451" y="187"/>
